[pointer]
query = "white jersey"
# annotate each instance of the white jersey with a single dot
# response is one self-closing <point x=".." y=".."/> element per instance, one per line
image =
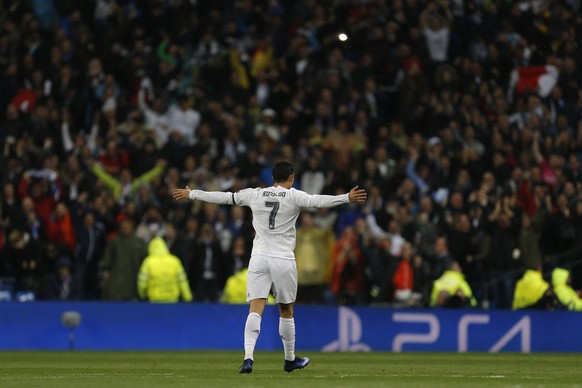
<point x="438" y="43"/>
<point x="275" y="211"/>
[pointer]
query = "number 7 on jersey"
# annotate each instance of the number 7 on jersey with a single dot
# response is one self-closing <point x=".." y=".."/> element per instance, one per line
<point x="275" y="206"/>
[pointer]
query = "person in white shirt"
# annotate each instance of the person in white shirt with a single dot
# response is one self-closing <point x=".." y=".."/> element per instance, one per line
<point x="156" y="118"/>
<point x="437" y="29"/>
<point x="313" y="179"/>
<point x="272" y="266"/>
<point x="184" y="120"/>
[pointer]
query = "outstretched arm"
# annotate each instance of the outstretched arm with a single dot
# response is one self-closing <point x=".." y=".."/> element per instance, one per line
<point x="356" y="195"/>
<point x="218" y="197"/>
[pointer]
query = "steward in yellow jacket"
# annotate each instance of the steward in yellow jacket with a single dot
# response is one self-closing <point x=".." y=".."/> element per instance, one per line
<point x="451" y="289"/>
<point x="161" y="277"/>
<point x="532" y="291"/>
<point x="565" y="294"/>
<point x="235" y="291"/>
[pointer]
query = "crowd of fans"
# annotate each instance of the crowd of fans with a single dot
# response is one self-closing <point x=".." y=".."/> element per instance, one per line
<point x="109" y="105"/>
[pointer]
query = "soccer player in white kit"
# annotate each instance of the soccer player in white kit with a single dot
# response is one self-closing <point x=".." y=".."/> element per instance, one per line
<point x="272" y="266"/>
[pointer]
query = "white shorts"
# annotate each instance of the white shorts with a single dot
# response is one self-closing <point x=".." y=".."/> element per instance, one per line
<point x="267" y="274"/>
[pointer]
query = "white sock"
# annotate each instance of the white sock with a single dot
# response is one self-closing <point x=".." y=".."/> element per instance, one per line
<point x="287" y="333"/>
<point x="252" y="330"/>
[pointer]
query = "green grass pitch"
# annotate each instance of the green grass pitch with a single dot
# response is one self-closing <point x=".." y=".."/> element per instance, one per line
<point x="219" y="369"/>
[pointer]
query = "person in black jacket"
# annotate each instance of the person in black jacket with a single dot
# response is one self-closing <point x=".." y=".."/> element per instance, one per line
<point x="503" y="260"/>
<point x="61" y="285"/>
<point x="88" y="252"/>
<point x="206" y="272"/>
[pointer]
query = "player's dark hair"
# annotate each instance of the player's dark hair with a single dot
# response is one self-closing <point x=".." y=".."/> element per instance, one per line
<point x="282" y="171"/>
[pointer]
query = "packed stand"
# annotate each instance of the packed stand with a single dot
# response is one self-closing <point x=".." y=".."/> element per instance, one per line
<point x="461" y="119"/>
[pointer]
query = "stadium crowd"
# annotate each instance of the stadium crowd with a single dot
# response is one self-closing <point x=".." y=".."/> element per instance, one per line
<point x="471" y="166"/>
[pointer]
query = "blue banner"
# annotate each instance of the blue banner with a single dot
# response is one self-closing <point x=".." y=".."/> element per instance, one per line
<point x="143" y="326"/>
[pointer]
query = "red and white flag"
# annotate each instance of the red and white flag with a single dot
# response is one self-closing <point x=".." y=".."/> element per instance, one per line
<point x="537" y="79"/>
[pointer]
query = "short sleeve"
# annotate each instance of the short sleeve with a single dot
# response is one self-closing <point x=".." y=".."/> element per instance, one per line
<point x="243" y="197"/>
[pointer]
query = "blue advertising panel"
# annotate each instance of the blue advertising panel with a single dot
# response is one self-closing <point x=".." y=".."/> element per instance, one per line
<point x="442" y="330"/>
<point x="142" y="326"/>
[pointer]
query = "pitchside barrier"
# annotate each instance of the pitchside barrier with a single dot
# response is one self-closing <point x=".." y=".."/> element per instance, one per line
<point x="143" y="326"/>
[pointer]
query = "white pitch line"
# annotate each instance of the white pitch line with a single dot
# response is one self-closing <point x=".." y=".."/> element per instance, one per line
<point x="68" y="375"/>
<point x="454" y="376"/>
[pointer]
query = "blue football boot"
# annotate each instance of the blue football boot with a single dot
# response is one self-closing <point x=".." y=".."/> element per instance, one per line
<point x="247" y="366"/>
<point x="298" y="363"/>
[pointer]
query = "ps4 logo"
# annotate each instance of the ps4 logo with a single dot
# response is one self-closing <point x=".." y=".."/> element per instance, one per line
<point x="350" y="333"/>
<point x="406" y="333"/>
